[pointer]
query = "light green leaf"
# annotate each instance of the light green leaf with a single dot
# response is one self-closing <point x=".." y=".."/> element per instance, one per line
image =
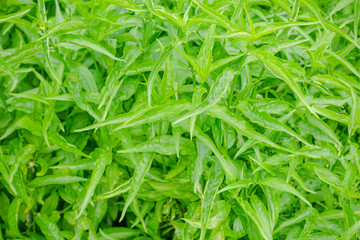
<point x="217" y="91"/>
<point x="242" y="183"/>
<point x="351" y="231"/>
<point x="280" y="185"/>
<point x="60" y="141"/>
<point x="163" y="145"/>
<point x="48" y="227"/>
<point x="265" y="120"/>
<point x="104" y="157"/>
<point x="141" y="170"/>
<point x="13" y="216"/>
<point x="159" y="62"/>
<point x="275" y="66"/>
<point x="54" y="179"/>
<point x="241" y="125"/>
<point x="88" y="43"/>
<point x="216" y="176"/>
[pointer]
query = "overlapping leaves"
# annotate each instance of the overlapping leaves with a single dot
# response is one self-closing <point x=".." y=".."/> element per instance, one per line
<point x="179" y="119"/>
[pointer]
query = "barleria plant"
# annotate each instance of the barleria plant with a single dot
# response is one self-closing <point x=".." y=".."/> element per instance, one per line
<point x="179" y="119"/>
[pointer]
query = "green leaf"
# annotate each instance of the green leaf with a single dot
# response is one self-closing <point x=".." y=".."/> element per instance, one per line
<point x="342" y="118"/>
<point x="13" y="216"/>
<point x="326" y="129"/>
<point x="54" y="179"/>
<point x="140" y="171"/>
<point x="86" y="164"/>
<point x="241" y="125"/>
<point x="20" y="13"/>
<point x="118" y="233"/>
<point x="197" y="166"/>
<point x="311" y="4"/>
<point x="88" y="43"/>
<point x="159" y="62"/>
<point x="262" y="213"/>
<point x="351" y="231"/>
<point x="275" y="26"/>
<point x="66" y="26"/>
<point x="21" y="189"/>
<point x="340" y="5"/>
<point x="218" y="215"/>
<point x="163" y="145"/>
<point x="117" y="73"/>
<point x="280" y="185"/>
<point x="265" y="120"/>
<point x="251" y="213"/>
<point x="221" y="20"/>
<point x="155" y="113"/>
<point x="275" y="66"/>
<point x="80" y="100"/>
<point x="22" y="157"/>
<point x="122" y="188"/>
<point x="327" y="176"/>
<point x="104" y="157"/>
<point x="217" y="91"/>
<point x="223" y="159"/>
<point x="216" y="176"/>
<point x="224" y="61"/>
<point x="25" y="123"/>
<point x="48" y="227"/>
<point x="304" y="214"/>
<point x="334" y="28"/>
<point x="190" y="59"/>
<point x="242" y="183"/>
<point x="136" y="118"/>
<point x="60" y="141"/>
<point x="356" y="19"/>
<point x="204" y="58"/>
<point x="297" y="177"/>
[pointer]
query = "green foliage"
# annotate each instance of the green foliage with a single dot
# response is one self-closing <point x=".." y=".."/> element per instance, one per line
<point x="179" y="119"/>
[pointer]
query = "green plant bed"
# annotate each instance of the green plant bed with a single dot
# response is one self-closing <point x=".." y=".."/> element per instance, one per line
<point x="188" y="119"/>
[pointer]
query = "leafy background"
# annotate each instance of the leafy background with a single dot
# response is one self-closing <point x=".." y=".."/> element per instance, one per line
<point x="182" y="119"/>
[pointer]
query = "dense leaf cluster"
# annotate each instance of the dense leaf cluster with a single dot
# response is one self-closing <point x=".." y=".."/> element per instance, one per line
<point x="179" y="119"/>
